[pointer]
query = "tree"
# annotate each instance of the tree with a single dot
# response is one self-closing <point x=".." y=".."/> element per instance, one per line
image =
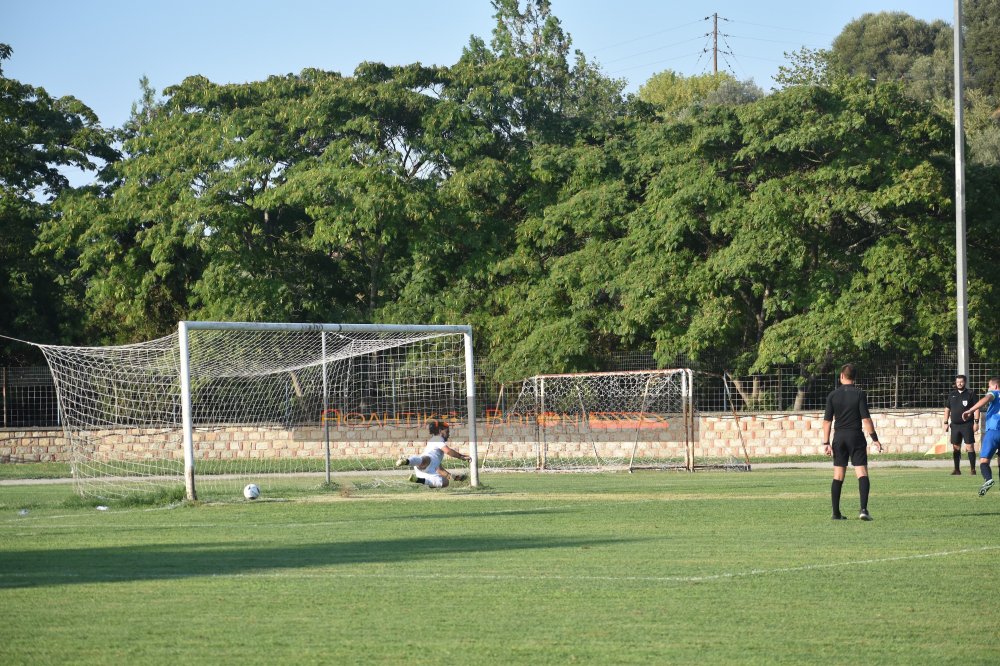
<point x="671" y="92"/>
<point x="517" y="112"/>
<point x="806" y="67"/>
<point x="796" y="230"/>
<point x="40" y="136"/>
<point x="982" y="25"/>
<point x="185" y="227"/>
<point x="884" y="46"/>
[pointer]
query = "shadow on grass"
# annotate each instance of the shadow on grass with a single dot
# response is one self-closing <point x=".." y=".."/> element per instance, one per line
<point x="36" y="568"/>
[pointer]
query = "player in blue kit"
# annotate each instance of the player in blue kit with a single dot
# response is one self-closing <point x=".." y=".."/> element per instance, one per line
<point x="992" y="437"/>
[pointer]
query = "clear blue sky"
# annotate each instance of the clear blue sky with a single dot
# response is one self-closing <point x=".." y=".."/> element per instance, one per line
<point x="97" y="50"/>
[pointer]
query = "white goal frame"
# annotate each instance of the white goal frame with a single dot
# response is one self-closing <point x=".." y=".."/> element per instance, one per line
<point x="543" y="426"/>
<point x="184" y="328"/>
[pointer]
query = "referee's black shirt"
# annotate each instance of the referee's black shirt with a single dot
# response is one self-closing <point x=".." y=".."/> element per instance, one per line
<point x="959" y="401"/>
<point x="848" y="404"/>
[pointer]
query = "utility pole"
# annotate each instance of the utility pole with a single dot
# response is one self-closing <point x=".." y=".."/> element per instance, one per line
<point x="715" y="43"/>
<point x="961" y="280"/>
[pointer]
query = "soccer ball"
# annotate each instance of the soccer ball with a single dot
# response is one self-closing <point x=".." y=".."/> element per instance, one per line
<point x="251" y="491"/>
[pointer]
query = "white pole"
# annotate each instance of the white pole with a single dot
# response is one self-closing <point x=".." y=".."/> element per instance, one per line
<point x="961" y="279"/>
<point x="186" y="420"/>
<point x="326" y="408"/>
<point x="470" y="400"/>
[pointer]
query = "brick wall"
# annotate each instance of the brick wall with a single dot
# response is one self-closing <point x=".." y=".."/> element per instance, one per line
<point x="765" y="435"/>
<point x="768" y="435"/>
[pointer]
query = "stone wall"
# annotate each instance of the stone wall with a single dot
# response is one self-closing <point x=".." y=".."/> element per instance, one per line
<point x="801" y="434"/>
<point x="718" y="435"/>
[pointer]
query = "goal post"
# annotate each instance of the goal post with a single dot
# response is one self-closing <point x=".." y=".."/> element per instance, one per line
<point x="628" y="421"/>
<point x="596" y="421"/>
<point x="218" y="404"/>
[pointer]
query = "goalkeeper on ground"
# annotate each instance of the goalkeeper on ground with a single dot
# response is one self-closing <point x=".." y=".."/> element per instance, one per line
<point x="427" y="466"/>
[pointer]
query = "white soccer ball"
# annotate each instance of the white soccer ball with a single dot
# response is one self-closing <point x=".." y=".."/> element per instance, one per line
<point x="251" y="491"/>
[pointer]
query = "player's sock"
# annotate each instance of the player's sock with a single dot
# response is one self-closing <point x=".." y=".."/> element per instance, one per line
<point x="415" y="461"/>
<point x="972" y="461"/>
<point x="835" y="489"/>
<point x="956" y="456"/>
<point x="987" y="472"/>
<point x="864" y="486"/>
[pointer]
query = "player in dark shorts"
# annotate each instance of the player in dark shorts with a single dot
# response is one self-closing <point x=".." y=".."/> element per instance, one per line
<point x="959" y="400"/>
<point x="847" y="406"/>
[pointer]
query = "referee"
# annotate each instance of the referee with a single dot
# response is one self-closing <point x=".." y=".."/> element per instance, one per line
<point x="848" y="406"/>
<point x="959" y="400"/>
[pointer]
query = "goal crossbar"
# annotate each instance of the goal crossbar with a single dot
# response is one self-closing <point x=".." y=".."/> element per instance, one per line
<point x="185" y="327"/>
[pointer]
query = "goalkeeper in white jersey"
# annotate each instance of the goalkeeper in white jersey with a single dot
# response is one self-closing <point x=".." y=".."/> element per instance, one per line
<point x="427" y="466"/>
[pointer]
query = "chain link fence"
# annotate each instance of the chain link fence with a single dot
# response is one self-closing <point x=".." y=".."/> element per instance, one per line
<point x="29" y="398"/>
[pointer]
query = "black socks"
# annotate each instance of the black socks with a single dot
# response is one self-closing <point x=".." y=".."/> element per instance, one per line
<point x="835" y="489"/>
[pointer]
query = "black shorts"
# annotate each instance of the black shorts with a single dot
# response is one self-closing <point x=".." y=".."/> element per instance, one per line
<point x="963" y="431"/>
<point x="850" y="445"/>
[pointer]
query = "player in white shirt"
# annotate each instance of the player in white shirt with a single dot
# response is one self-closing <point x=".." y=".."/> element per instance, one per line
<point x="427" y="466"/>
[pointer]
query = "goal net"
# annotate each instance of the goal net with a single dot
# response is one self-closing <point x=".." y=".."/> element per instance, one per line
<point x="227" y="403"/>
<point x="597" y="421"/>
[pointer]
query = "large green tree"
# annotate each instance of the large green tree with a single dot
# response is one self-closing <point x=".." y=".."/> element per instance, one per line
<point x="40" y="137"/>
<point x="187" y="225"/>
<point x="812" y="224"/>
<point x="671" y="92"/>
<point x="981" y="19"/>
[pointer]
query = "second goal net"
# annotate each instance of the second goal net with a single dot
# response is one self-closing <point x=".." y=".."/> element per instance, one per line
<point x="600" y="421"/>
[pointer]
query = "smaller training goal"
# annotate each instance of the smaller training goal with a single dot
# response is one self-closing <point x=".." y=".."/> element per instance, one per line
<point x="600" y="421"/>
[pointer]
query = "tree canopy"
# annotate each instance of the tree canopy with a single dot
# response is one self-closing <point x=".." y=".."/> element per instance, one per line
<point x="518" y="189"/>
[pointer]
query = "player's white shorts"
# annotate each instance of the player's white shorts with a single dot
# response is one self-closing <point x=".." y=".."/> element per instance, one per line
<point x="434" y="480"/>
<point x="429" y="474"/>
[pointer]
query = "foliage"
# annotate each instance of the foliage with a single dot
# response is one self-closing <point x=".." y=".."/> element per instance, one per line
<point x="672" y="93"/>
<point x="40" y="136"/>
<point x="885" y="46"/>
<point x="519" y="190"/>
<point x="981" y="24"/>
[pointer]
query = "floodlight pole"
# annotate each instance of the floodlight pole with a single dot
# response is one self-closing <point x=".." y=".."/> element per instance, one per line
<point x="961" y="279"/>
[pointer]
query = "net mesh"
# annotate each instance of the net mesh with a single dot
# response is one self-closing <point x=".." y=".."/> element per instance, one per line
<point x="610" y="420"/>
<point x="265" y="404"/>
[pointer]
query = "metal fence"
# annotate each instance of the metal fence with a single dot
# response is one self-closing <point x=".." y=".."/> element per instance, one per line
<point x="29" y="396"/>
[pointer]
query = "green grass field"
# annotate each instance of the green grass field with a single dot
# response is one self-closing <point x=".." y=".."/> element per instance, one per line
<point x="536" y="569"/>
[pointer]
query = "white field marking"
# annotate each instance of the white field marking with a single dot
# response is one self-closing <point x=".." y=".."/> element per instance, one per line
<point x="36" y="521"/>
<point x="727" y="575"/>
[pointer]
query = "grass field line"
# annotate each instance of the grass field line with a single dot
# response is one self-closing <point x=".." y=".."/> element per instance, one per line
<point x="567" y="500"/>
<point x="478" y="576"/>
<point x="727" y="575"/>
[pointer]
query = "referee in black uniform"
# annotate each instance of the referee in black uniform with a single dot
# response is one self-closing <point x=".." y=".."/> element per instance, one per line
<point x="848" y="406"/>
<point x="960" y="400"/>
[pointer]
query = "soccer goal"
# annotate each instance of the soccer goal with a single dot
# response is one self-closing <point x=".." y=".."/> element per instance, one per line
<point x="218" y="404"/>
<point x="599" y="421"/>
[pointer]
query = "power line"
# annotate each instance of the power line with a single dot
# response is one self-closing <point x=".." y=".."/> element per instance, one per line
<point x="656" y="62"/>
<point x="775" y="27"/>
<point x="659" y="48"/>
<point x="652" y="34"/>
<point x="761" y="39"/>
